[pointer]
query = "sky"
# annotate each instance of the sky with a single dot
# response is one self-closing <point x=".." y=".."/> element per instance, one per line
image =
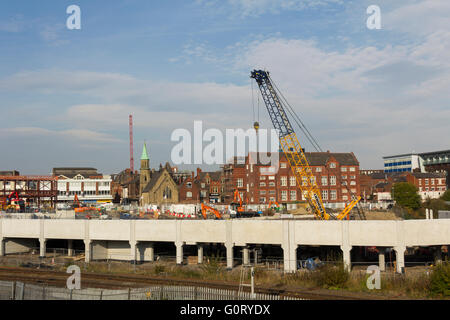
<point x="65" y="95"/>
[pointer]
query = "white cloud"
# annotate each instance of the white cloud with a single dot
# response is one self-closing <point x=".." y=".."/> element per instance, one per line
<point x="419" y="17"/>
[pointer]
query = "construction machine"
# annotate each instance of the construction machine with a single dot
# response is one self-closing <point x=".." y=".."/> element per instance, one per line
<point x="291" y="146"/>
<point x="237" y="209"/>
<point x="82" y="208"/>
<point x="206" y="209"/>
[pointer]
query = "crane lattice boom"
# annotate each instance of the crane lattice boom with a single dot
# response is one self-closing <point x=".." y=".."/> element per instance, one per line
<point x="290" y="144"/>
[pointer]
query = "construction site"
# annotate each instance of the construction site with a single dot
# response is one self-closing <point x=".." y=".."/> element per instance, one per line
<point x="226" y="228"/>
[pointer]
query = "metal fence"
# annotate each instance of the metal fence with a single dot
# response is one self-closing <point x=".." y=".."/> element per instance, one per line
<point x="21" y="291"/>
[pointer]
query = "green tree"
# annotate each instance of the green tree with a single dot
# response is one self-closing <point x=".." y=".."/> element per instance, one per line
<point x="446" y="196"/>
<point x="405" y="195"/>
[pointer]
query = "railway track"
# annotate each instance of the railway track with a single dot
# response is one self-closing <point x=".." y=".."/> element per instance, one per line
<point x="115" y="281"/>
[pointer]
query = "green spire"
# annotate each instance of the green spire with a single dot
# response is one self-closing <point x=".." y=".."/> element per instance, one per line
<point x="144" y="155"/>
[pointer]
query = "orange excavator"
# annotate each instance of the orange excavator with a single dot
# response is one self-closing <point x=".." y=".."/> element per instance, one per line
<point x="81" y="209"/>
<point x="237" y="197"/>
<point x="206" y="209"/>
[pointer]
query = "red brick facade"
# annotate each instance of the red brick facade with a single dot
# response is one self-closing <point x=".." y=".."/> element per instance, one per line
<point x="336" y="175"/>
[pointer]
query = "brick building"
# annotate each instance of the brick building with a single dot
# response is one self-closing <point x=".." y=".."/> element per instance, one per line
<point x="207" y="187"/>
<point x="430" y="185"/>
<point x="336" y="174"/>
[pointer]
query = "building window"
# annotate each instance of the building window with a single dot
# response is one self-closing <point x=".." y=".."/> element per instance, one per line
<point x="352" y="169"/>
<point x="272" y="199"/>
<point x="352" y="183"/>
<point x="344" y="177"/>
<point x="271" y="184"/>
<point x="284" y="181"/>
<point x="293" y="195"/>
<point x="188" y="194"/>
<point x="304" y="181"/>
<point x="240" y="182"/>
<point x="271" y="191"/>
<point x="333" y="195"/>
<point x="324" y="194"/>
<point x="344" y="190"/>
<point x="262" y="191"/>
<point x="344" y="169"/>
<point x="292" y="181"/>
<point x="203" y="194"/>
<point x="313" y="181"/>
<point x="262" y="200"/>
<point x="283" y="195"/>
<point x="332" y="180"/>
<point x="332" y="165"/>
<point x="271" y="177"/>
<point x="262" y="177"/>
<point x="344" y="197"/>
<point x="324" y="180"/>
<point x="262" y="184"/>
<point x="203" y="185"/>
<point x="283" y="165"/>
<point x="353" y="190"/>
<point x="353" y="177"/>
<point x="318" y="169"/>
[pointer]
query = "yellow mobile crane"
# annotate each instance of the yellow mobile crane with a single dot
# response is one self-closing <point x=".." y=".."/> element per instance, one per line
<point x="292" y="148"/>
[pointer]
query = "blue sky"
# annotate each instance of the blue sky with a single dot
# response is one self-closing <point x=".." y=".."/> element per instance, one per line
<point x="66" y="94"/>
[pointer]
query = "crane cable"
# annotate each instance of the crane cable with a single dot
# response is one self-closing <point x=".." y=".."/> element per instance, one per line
<point x="297" y="119"/>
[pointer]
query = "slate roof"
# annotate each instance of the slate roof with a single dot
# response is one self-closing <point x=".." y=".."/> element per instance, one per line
<point x="71" y="172"/>
<point x="319" y="158"/>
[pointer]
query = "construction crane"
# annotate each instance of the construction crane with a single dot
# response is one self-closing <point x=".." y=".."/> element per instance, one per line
<point x="206" y="209"/>
<point x="291" y="147"/>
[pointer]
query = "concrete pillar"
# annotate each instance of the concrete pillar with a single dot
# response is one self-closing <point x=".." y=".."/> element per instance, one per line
<point x="346" y="255"/>
<point x="42" y="247"/>
<point x="200" y="253"/>
<point x="87" y="250"/>
<point x="179" y="246"/>
<point x="230" y="257"/>
<point x="381" y="259"/>
<point x="290" y="258"/>
<point x="2" y="247"/>
<point x="70" y="248"/>
<point x="151" y="252"/>
<point x="133" y="251"/>
<point x="438" y="255"/>
<point x="400" y="258"/>
<point x="245" y="256"/>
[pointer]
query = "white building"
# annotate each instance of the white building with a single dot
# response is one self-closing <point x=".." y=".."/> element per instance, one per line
<point x="89" y="185"/>
<point x="403" y="163"/>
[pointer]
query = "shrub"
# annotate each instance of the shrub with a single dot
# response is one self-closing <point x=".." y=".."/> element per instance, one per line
<point x="212" y="266"/>
<point x="331" y="276"/>
<point x="159" y="269"/>
<point x="440" y="280"/>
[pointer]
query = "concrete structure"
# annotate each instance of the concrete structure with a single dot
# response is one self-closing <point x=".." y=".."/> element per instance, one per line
<point x="133" y="239"/>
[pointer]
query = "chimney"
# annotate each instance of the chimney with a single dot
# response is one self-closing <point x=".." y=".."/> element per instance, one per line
<point x="198" y="172"/>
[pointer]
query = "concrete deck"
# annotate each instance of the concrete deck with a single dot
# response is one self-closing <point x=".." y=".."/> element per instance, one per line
<point x="132" y="239"/>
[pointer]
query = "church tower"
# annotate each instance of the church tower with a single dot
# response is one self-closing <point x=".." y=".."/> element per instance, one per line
<point x="145" y="169"/>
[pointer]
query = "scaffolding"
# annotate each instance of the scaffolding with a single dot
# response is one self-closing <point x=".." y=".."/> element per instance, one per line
<point x="35" y="190"/>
